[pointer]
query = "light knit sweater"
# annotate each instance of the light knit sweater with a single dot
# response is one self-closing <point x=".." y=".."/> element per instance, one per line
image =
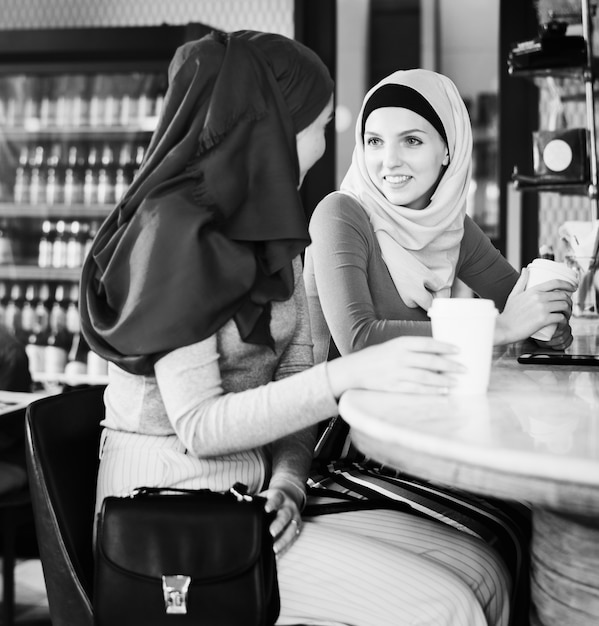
<point x="223" y="395"/>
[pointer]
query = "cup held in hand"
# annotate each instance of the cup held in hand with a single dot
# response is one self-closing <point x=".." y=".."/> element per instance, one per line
<point x="542" y="270"/>
<point x="469" y="324"/>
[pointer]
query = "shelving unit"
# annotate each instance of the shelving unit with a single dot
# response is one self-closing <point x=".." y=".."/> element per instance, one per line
<point x="586" y="72"/>
<point x="77" y="111"/>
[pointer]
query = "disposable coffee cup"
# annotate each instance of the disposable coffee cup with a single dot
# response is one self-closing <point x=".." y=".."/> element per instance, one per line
<point x="469" y="324"/>
<point x="542" y="270"/>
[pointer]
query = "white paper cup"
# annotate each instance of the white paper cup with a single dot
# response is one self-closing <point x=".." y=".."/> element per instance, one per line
<point x="542" y="270"/>
<point x="469" y="324"/>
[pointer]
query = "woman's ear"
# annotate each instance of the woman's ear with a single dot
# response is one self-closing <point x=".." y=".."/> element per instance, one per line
<point x="446" y="159"/>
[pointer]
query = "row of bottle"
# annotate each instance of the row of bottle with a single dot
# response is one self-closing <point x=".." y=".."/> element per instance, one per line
<point x="60" y="245"/>
<point x="75" y="173"/>
<point x="75" y="110"/>
<point x="65" y="246"/>
<point x="45" y="320"/>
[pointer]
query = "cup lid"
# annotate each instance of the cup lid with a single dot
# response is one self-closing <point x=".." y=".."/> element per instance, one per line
<point x="561" y="270"/>
<point x="462" y="306"/>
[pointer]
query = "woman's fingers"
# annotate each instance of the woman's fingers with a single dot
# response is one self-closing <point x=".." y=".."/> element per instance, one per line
<point x="286" y="526"/>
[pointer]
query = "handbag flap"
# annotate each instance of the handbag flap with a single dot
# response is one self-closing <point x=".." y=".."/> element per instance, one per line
<point x="208" y="536"/>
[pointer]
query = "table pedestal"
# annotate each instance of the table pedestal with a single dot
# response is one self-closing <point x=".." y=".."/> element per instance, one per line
<point x="565" y="570"/>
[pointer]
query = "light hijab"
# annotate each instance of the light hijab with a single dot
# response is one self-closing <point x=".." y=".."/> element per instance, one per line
<point x="208" y="230"/>
<point x="419" y="247"/>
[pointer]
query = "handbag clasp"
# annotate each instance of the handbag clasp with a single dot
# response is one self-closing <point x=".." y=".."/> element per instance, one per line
<point x="174" y="589"/>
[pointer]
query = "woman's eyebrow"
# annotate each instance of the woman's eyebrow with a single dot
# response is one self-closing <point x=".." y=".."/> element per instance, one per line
<point x="403" y="132"/>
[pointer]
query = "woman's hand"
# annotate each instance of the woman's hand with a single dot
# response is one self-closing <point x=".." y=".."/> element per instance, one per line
<point x="562" y="338"/>
<point x="287" y="525"/>
<point x="406" y="364"/>
<point x="528" y="310"/>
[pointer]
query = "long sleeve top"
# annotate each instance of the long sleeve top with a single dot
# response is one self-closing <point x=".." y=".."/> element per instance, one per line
<point x="223" y="395"/>
<point x="349" y="285"/>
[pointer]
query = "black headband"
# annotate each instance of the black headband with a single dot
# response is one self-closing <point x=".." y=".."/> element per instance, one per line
<point x="392" y="95"/>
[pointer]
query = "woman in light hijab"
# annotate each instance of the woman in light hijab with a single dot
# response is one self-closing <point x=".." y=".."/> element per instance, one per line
<point x="193" y="291"/>
<point x="395" y="237"/>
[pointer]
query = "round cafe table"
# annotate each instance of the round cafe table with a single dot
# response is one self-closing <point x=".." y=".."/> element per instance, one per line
<point x="535" y="437"/>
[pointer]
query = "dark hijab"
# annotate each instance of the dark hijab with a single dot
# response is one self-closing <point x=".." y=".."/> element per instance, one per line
<point x="208" y="230"/>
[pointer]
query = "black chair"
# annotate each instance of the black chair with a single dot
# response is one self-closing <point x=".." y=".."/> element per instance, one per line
<point x="63" y="435"/>
<point x="16" y="515"/>
<point x="15" y="510"/>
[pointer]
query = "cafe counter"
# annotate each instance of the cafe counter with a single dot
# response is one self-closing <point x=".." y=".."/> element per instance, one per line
<point x="534" y="436"/>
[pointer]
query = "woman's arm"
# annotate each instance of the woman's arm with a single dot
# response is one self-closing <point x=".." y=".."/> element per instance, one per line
<point x="340" y="277"/>
<point x="522" y="311"/>
<point x="292" y="454"/>
<point x="483" y="268"/>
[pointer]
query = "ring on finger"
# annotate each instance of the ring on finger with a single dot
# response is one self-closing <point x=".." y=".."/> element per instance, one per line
<point x="297" y="526"/>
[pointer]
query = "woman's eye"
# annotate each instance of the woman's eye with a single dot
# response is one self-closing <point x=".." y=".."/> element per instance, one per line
<point x="373" y="141"/>
<point x="413" y="141"/>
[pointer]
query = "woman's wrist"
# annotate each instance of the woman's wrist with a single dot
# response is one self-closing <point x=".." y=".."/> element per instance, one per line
<point x="339" y="373"/>
<point x="292" y="487"/>
<point x="502" y="334"/>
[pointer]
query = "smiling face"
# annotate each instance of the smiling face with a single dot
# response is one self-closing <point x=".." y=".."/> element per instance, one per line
<point x="405" y="156"/>
<point x="311" y="142"/>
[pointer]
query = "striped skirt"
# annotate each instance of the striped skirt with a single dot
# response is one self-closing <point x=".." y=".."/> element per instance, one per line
<point x="502" y="524"/>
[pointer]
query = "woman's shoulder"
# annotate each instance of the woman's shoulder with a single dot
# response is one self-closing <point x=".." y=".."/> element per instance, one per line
<point x="337" y="210"/>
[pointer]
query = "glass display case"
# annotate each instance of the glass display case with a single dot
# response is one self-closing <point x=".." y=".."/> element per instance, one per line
<point x="72" y="137"/>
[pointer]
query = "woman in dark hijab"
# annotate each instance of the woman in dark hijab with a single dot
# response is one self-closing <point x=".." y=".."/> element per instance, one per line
<point x="193" y="291"/>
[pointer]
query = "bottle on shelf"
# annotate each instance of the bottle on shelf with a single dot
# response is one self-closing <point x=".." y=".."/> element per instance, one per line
<point x="12" y="312"/>
<point x="125" y="110"/>
<point x="28" y="310"/>
<point x="22" y="177"/>
<point x="6" y="245"/>
<point x="42" y="312"/>
<point x="74" y="252"/>
<point x="54" y="183"/>
<point x="56" y="351"/>
<point x="58" y="311"/>
<point x="59" y="339"/>
<point x="95" y="117"/>
<point x="47" y="111"/>
<point x="90" y="179"/>
<point x="105" y="181"/>
<point x="110" y="117"/>
<point x="31" y="112"/>
<point x="37" y="176"/>
<point x="44" y="256"/>
<point x="93" y="229"/>
<point x="120" y="184"/>
<point x="73" y="178"/>
<point x="72" y="315"/>
<point x="59" y="246"/>
<point x="35" y="350"/>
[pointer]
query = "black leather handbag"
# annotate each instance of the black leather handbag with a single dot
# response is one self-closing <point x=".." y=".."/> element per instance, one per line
<point x="181" y="557"/>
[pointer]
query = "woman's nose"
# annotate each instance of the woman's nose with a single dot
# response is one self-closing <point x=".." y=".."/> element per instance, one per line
<point x="392" y="157"/>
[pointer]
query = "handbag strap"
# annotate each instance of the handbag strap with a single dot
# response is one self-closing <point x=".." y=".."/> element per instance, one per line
<point x="238" y="490"/>
<point x="348" y="503"/>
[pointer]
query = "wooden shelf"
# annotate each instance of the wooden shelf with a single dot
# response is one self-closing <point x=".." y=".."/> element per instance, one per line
<point x="570" y="188"/>
<point x="35" y="130"/>
<point x="69" y="211"/>
<point x="32" y="272"/>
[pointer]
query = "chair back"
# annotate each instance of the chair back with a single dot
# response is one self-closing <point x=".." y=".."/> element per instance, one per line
<point x="63" y="436"/>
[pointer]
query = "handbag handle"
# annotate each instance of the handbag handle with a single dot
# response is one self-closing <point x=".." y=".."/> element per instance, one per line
<point x="238" y="490"/>
<point x="351" y="503"/>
